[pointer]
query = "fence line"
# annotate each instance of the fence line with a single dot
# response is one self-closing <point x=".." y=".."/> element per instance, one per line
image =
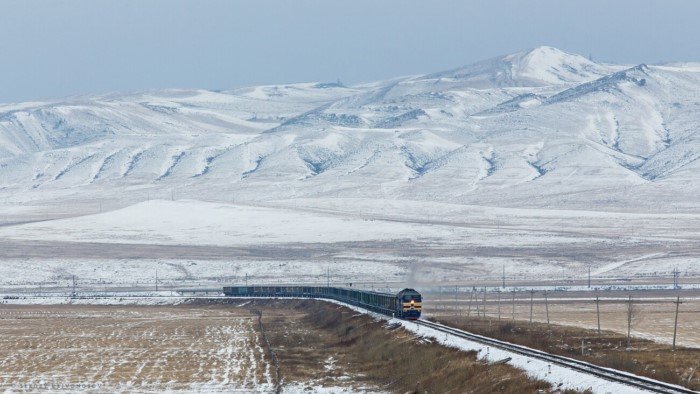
<point x="631" y="310"/>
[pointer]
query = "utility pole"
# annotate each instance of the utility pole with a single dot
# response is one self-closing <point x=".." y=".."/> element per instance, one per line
<point x="73" y="294"/>
<point x="629" y="320"/>
<point x="676" y="274"/>
<point x="458" y="309"/>
<point x="532" y="295"/>
<point x="246" y="280"/>
<point x="469" y="306"/>
<point x="156" y="280"/>
<point x="328" y="277"/>
<point x="476" y="303"/>
<point x="513" y="315"/>
<point x="597" y="311"/>
<point x="546" y="306"/>
<point x="674" y="278"/>
<point x="589" y="276"/>
<point x="675" y="323"/>
<point x="483" y="310"/>
<point x="503" y="277"/>
<point x="499" y="306"/>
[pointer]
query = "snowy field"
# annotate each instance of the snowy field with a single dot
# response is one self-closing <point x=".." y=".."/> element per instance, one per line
<point x="541" y="162"/>
<point x="127" y="349"/>
<point x="158" y="344"/>
<point x="193" y="242"/>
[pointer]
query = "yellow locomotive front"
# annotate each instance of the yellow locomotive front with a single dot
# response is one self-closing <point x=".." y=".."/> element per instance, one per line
<point x="409" y="302"/>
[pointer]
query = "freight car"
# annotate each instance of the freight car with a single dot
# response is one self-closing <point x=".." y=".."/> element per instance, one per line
<point x="405" y="304"/>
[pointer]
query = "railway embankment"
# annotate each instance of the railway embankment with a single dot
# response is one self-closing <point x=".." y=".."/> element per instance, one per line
<point x="609" y="349"/>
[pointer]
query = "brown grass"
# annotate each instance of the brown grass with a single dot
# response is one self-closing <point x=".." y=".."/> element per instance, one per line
<point x="391" y="359"/>
<point x="128" y="348"/>
<point x="645" y="357"/>
<point x="199" y="347"/>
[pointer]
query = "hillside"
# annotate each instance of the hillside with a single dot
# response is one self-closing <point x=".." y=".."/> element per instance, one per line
<point x="536" y="129"/>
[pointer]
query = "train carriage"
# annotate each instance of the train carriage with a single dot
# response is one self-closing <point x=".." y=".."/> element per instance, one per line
<point x="405" y="304"/>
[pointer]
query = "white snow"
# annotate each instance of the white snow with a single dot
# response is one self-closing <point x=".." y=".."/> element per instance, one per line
<point x="617" y="138"/>
<point x="198" y="223"/>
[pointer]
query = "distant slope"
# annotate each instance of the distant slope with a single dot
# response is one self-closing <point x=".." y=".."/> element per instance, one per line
<point x="540" y="128"/>
<point x="541" y="66"/>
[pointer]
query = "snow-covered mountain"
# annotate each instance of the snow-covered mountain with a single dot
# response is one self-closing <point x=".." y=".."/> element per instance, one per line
<point x="542" y="66"/>
<point x="541" y="128"/>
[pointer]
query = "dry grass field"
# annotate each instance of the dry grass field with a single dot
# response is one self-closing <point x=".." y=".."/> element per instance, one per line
<point x="572" y="330"/>
<point x="358" y="349"/>
<point x="220" y="346"/>
<point x="653" y="315"/>
<point x="130" y="348"/>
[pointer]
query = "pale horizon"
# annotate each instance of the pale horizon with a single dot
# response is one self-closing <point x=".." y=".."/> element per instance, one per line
<point x="75" y="48"/>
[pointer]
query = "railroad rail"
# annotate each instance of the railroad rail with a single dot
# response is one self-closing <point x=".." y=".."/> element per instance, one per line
<point x="570" y="363"/>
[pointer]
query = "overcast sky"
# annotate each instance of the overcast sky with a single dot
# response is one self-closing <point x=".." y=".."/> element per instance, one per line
<point x="51" y="49"/>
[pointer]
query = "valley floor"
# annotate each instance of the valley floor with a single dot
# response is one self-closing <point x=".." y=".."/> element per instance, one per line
<point x="371" y="242"/>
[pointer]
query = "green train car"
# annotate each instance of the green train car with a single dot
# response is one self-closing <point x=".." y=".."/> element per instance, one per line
<point x="406" y="304"/>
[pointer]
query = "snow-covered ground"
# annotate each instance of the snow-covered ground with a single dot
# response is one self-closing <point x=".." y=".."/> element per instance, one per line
<point x="188" y="242"/>
<point x="540" y="128"/>
<point x="540" y="162"/>
<point x="199" y="223"/>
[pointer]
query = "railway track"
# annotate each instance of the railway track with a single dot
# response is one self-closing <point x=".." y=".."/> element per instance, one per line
<point x="576" y="365"/>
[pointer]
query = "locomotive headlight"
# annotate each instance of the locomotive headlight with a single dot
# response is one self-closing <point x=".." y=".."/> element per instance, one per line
<point x="412" y="302"/>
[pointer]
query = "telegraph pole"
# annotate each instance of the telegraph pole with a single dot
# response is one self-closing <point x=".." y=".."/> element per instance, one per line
<point x="597" y="310"/>
<point x="499" y="306"/>
<point x="589" y="276"/>
<point x="532" y="295"/>
<point x="676" y="274"/>
<point x="469" y="307"/>
<point x="546" y="306"/>
<point x="675" y="323"/>
<point x="629" y="319"/>
<point x="156" y="280"/>
<point x="73" y="294"/>
<point x="503" y="277"/>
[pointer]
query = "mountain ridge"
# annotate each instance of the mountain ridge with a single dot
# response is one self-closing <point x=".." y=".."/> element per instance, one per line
<point x="539" y="127"/>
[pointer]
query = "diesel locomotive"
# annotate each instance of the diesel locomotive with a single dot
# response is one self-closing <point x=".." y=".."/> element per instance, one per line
<point x="406" y="304"/>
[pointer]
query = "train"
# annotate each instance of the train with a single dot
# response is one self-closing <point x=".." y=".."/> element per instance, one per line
<point x="406" y="304"/>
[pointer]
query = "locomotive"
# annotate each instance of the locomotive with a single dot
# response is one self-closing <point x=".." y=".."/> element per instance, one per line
<point x="406" y="304"/>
